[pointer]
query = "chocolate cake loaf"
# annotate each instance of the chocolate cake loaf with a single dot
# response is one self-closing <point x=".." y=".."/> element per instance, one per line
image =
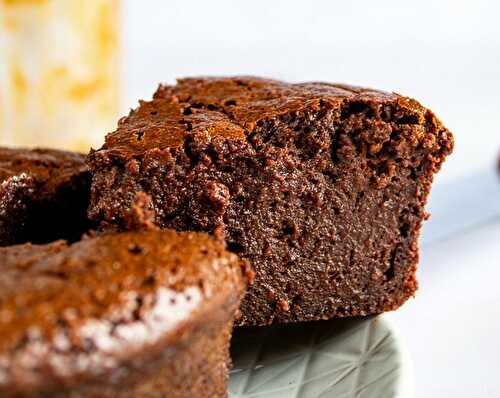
<point x="320" y="186"/>
<point x="122" y="315"/>
<point x="44" y="195"/>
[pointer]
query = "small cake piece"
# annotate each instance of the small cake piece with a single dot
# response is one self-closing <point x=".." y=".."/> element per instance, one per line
<point x="320" y="186"/>
<point x="44" y="195"/>
<point x="137" y="314"/>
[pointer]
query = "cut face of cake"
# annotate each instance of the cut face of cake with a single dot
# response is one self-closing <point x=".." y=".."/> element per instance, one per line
<point x="118" y="316"/>
<point x="44" y="195"/>
<point x="321" y="187"/>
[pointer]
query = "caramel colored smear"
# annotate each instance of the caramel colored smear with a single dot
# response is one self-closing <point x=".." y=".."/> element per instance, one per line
<point x="62" y="89"/>
<point x="11" y="3"/>
<point x="19" y="86"/>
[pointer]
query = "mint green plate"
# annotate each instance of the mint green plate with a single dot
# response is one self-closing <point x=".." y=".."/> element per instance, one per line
<point x="346" y="358"/>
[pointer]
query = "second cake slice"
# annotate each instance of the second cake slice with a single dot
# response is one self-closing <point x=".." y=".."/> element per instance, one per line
<point x="127" y="315"/>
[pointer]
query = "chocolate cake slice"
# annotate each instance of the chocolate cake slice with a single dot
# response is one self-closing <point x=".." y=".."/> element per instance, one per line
<point x="320" y="186"/>
<point x="44" y="195"/>
<point x="137" y="314"/>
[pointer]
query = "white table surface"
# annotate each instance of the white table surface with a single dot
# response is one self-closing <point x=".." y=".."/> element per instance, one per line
<point x="446" y="54"/>
<point x="452" y="327"/>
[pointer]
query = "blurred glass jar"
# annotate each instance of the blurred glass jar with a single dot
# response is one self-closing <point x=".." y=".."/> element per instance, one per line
<point x="59" y="72"/>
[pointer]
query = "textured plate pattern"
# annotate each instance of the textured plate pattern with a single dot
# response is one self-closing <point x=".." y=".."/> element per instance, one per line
<point x="337" y="358"/>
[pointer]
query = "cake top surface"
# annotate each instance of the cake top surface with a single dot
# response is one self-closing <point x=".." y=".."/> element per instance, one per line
<point x="85" y="307"/>
<point x="48" y="166"/>
<point x="230" y="107"/>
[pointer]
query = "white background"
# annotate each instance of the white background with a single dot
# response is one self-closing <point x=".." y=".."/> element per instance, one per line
<point x="444" y="53"/>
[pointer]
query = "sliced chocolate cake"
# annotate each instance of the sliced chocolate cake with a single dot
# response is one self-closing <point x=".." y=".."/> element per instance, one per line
<point x="44" y="195"/>
<point x="320" y="186"/>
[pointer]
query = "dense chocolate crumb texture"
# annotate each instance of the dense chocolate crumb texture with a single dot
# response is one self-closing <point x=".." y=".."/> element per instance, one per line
<point x="320" y="186"/>
<point x="117" y="315"/>
<point x="44" y="194"/>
